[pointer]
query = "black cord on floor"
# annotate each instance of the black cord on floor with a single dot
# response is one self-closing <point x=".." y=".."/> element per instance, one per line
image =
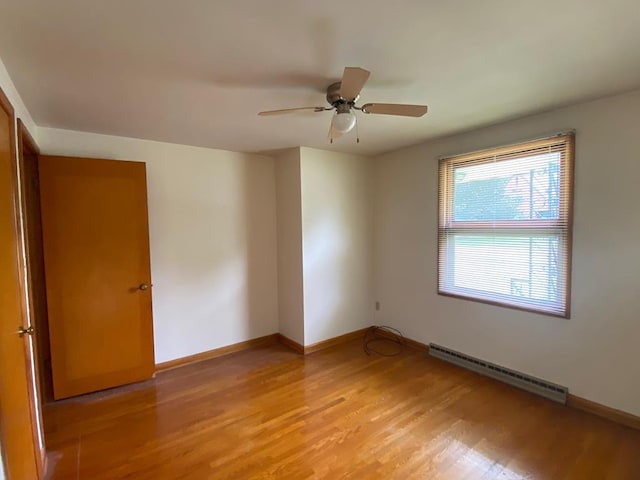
<point x="383" y="335"/>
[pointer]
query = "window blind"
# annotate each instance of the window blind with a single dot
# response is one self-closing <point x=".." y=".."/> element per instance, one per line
<point x="505" y="223"/>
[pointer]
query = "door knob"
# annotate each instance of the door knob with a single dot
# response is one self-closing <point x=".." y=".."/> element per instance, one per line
<point x="25" y="331"/>
<point x="143" y="286"/>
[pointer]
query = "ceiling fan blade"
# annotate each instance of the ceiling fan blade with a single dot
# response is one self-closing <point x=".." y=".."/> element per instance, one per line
<point x="395" y="109"/>
<point x="291" y="110"/>
<point x="353" y="79"/>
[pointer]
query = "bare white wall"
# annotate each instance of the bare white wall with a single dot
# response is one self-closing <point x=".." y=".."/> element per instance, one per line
<point x="289" y="228"/>
<point x="212" y="225"/>
<point x="337" y="238"/>
<point x="595" y="353"/>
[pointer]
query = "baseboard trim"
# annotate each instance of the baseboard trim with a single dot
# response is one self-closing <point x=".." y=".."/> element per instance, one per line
<point x="315" y="347"/>
<point x="421" y="347"/>
<point x="617" y="416"/>
<point x="292" y="344"/>
<point x="258" y="342"/>
<point x="331" y="342"/>
<point x="573" y="401"/>
<point x="218" y="352"/>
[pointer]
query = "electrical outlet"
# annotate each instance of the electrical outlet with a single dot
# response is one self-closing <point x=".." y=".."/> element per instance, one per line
<point x="377" y="305"/>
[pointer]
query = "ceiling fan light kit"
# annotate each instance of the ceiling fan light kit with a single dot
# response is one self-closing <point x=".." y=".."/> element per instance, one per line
<point x="344" y="120"/>
<point x="343" y="95"/>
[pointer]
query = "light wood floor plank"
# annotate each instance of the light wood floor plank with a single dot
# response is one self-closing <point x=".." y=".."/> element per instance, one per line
<point x="269" y="413"/>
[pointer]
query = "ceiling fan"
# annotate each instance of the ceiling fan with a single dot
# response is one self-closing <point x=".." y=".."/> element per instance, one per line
<point x="343" y="95"/>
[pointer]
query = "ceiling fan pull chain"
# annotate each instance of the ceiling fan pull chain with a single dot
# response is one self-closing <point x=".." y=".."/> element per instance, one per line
<point x="357" y="133"/>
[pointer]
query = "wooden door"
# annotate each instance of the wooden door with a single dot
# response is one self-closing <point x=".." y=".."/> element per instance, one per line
<point x="28" y="153"/>
<point x="96" y="255"/>
<point x="20" y="448"/>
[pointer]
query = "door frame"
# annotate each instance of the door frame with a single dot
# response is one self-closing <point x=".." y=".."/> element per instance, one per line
<point x="31" y="399"/>
<point x="26" y="143"/>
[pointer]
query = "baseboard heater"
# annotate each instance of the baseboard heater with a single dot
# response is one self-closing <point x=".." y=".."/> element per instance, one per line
<point x="535" y="385"/>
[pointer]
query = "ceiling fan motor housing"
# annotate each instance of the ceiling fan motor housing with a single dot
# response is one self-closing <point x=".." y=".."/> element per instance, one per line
<point x="334" y="98"/>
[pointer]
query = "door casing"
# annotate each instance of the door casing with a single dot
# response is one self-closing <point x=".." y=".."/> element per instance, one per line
<point x="22" y="454"/>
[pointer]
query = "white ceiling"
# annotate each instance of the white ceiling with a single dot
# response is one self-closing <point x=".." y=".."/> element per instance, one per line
<point x="197" y="71"/>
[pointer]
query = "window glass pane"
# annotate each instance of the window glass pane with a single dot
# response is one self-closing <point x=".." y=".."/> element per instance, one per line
<point x="523" y="267"/>
<point x="526" y="188"/>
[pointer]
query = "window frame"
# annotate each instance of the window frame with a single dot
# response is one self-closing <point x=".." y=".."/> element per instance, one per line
<point x="561" y="227"/>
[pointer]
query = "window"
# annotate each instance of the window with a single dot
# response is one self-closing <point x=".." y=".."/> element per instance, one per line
<point x="504" y="233"/>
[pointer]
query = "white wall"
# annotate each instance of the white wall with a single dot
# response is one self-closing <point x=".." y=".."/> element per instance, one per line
<point x="289" y="227"/>
<point x="212" y="225"/>
<point x="337" y="233"/>
<point x="595" y="353"/>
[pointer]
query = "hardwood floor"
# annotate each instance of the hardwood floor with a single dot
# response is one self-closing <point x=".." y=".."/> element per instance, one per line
<point x="336" y="414"/>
